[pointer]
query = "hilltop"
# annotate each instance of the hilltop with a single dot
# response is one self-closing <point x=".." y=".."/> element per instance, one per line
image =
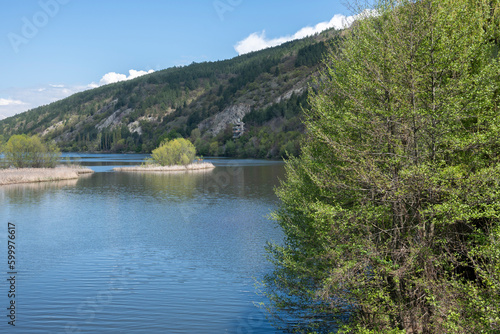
<point x="266" y="90"/>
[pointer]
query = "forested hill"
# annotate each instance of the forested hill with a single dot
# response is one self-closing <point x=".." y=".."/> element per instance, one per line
<point x="202" y="101"/>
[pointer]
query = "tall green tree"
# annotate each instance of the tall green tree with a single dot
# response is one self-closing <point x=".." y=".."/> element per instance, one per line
<point x="391" y="214"/>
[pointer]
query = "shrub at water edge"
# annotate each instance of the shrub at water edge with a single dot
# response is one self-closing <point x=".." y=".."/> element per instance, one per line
<point x="174" y="152"/>
<point x="22" y="151"/>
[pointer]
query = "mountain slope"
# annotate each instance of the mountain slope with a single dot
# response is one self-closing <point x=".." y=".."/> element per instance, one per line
<point x="266" y="89"/>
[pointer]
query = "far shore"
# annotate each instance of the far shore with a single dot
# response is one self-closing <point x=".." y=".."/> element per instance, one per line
<point x="158" y="168"/>
<point x="31" y="175"/>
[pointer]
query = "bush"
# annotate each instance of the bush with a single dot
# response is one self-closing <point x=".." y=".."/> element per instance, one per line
<point x="175" y="152"/>
<point x="22" y="151"/>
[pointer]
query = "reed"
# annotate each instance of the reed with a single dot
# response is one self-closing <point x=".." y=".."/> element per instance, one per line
<point x="29" y="175"/>
<point x="158" y="168"/>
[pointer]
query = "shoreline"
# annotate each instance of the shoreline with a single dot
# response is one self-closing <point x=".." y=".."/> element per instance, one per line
<point x="34" y="175"/>
<point x="158" y="168"/>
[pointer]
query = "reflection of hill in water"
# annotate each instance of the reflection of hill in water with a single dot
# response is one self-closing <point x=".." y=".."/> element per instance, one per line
<point x="23" y="192"/>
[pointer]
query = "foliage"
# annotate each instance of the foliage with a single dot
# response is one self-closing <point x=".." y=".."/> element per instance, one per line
<point x="273" y="132"/>
<point x="285" y="109"/>
<point x="391" y="213"/>
<point x="175" y="152"/>
<point x="311" y="55"/>
<point x="22" y="151"/>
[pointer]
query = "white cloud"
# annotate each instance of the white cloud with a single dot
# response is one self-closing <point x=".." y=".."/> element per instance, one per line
<point x="23" y="99"/>
<point x="257" y="41"/>
<point x="10" y="102"/>
<point x="113" y="77"/>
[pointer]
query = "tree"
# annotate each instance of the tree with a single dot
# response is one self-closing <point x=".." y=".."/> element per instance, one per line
<point x="195" y="134"/>
<point x="22" y="151"/>
<point x="391" y="214"/>
<point x="175" y="152"/>
<point x="213" y="149"/>
<point x="2" y="142"/>
<point x="230" y="148"/>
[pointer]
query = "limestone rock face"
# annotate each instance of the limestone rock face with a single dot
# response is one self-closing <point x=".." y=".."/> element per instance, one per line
<point x="229" y="115"/>
<point x="113" y="120"/>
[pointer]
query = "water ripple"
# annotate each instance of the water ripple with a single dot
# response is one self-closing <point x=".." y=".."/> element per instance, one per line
<point x="144" y="254"/>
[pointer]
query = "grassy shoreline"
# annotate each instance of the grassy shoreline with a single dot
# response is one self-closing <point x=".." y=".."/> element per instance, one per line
<point x="158" y="168"/>
<point x="32" y="175"/>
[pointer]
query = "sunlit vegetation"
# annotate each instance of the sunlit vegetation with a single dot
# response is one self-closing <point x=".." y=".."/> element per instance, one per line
<point x="391" y="212"/>
<point x="22" y="151"/>
<point x="174" y="152"/>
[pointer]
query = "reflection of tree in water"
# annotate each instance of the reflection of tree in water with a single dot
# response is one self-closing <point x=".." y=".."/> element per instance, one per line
<point x="212" y="184"/>
<point x="174" y="186"/>
<point x="31" y="192"/>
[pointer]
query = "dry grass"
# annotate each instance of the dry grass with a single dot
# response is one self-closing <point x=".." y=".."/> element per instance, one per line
<point x="158" y="168"/>
<point x="36" y="186"/>
<point x="29" y="175"/>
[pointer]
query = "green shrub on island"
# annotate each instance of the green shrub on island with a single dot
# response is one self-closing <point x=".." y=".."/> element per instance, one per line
<point x="174" y="152"/>
<point x="22" y="151"/>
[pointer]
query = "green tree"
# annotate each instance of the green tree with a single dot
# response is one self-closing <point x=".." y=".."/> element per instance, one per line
<point x="2" y="143"/>
<point x="230" y="148"/>
<point x="391" y="213"/>
<point x="22" y="151"/>
<point x="213" y="149"/>
<point x="195" y="135"/>
<point x="3" y="163"/>
<point x="175" y="152"/>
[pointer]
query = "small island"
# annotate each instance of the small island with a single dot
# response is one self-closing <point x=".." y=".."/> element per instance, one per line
<point x="171" y="156"/>
<point x="28" y="160"/>
<point x="30" y="175"/>
<point x="159" y="168"/>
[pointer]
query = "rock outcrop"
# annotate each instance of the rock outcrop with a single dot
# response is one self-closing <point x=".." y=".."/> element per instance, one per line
<point x="229" y="115"/>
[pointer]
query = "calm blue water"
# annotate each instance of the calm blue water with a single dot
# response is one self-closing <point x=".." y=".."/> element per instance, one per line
<point x="141" y="253"/>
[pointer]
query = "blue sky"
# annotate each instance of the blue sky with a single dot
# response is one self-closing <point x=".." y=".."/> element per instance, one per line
<point x="53" y="48"/>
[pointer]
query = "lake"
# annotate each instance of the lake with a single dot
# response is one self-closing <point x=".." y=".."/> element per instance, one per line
<point x="141" y="253"/>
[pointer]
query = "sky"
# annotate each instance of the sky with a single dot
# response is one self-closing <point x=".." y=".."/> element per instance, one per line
<point x="50" y="49"/>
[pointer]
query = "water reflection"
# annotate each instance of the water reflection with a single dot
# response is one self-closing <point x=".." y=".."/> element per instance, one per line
<point x="176" y="186"/>
<point x="32" y="192"/>
<point x="152" y="252"/>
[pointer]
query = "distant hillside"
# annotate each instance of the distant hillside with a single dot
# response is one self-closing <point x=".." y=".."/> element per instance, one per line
<point x="202" y="101"/>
